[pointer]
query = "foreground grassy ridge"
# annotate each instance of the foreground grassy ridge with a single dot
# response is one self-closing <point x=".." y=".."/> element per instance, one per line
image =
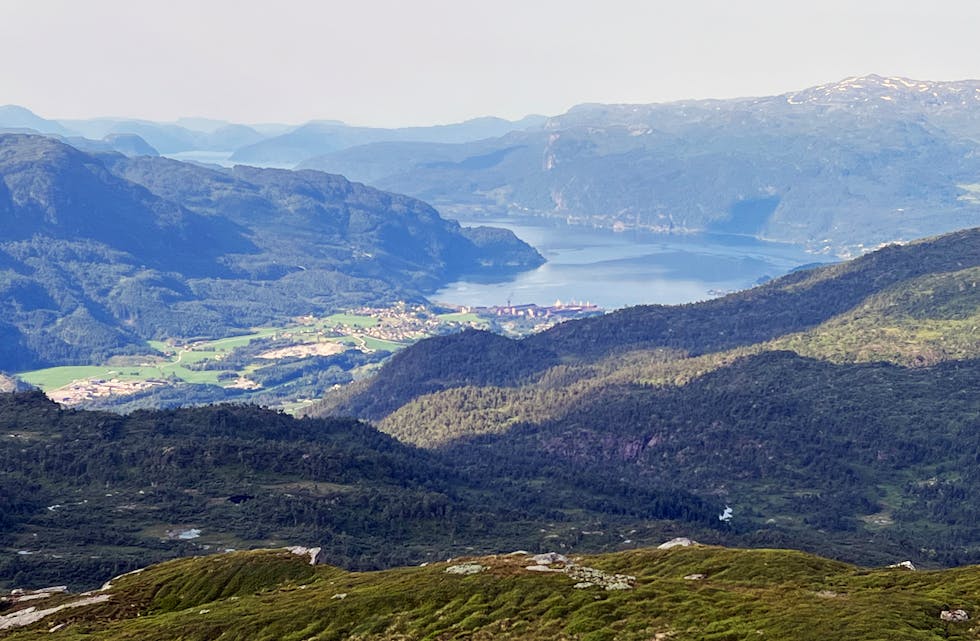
<point x="745" y="594"/>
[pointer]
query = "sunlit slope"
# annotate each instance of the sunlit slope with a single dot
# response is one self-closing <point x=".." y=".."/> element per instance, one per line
<point x="682" y="593"/>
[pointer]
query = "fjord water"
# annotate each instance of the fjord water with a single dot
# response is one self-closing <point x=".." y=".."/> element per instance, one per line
<point x="615" y="270"/>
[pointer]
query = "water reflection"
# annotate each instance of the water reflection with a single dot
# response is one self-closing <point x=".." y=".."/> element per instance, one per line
<point x="615" y="270"/>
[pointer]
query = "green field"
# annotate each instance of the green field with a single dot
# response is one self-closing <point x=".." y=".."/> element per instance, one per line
<point x="182" y="355"/>
<point x="382" y="345"/>
<point x="52" y="378"/>
<point x="175" y="360"/>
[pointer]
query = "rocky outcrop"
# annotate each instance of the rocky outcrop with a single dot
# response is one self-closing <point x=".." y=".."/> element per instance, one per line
<point x="679" y="542"/>
<point x="465" y="568"/>
<point x="32" y="614"/>
<point x="584" y="576"/>
<point x="314" y="553"/>
<point x="954" y="615"/>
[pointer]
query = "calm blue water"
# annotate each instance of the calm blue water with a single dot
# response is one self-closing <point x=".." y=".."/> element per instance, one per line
<point x="620" y="269"/>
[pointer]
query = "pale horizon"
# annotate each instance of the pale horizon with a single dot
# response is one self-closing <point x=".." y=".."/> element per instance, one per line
<point x="385" y="63"/>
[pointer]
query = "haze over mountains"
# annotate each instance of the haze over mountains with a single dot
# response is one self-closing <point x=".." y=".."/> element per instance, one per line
<point x="838" y="168"/>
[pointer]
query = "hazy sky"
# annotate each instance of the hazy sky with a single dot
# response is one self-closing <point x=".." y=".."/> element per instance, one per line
<point x="397" y="62"/>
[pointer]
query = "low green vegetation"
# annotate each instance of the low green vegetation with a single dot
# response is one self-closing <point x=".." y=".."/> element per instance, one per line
<point x="689" y="593"/>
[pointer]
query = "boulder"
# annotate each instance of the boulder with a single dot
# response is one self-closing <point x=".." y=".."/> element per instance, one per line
<point x="465" y="568"/>
<point x="549" y="558"/>
<point x="679" y="542"/>
<point x="954" y="615"/>
<point x="312" y="553"/>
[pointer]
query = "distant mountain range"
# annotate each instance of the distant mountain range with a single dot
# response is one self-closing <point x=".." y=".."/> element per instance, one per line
<point x="316" y="138"/>
<point x="276" y="144"/>
<point x="100" y="252"/>
<point x="839" y="168"/>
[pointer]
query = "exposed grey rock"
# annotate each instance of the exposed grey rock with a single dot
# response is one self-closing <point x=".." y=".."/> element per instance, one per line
<point x="618" y="585"/>
<point x="465" y="568"/>
<point x="904" y="565"/>
<point x="313" y="553"/>
<point x="679" y="542"/>
<point x="549" y="558"/>
<point x="695" y="577"/>
<point x="954" y="615"/>
<point x="541" y="568"/>
<point x="33" y="615"/>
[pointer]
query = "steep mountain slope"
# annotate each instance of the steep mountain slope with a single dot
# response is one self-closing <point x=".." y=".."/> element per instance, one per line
<point x="839" y="168"/>
<point x="94" y="263"/>
<point x="682" y="593"/>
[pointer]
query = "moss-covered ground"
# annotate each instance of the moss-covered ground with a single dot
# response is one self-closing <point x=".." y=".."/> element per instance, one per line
<point x="741" y="594"/>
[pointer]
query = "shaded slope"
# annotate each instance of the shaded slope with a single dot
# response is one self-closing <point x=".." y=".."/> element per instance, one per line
<point x="87" y="494"/>
<point x="844" y="460"/>
<point x="56" y="191"/>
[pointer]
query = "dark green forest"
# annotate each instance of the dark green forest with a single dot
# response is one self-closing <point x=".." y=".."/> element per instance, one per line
<point x="835" y="409"/>
<point x="85" y="495"/>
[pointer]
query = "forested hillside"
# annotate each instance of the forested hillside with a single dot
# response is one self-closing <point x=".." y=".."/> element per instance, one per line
<point x="922" y="295"/>
<point x="829" y="408"/>
<point x="99" y="253"/>
<point x="85" y="495"/>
